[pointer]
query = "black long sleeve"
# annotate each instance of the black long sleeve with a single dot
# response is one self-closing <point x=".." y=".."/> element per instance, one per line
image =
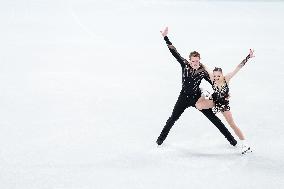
<point x="174" y="52"/>
<point x="244" y="61"/>
<point x="207" y="77"/>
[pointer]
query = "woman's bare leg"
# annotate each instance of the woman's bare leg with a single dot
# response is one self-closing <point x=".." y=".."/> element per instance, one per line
<point x="229" y="118"/>
<point x="200" y="99"/>
<point x="245" y="147"/>
<point x="203" y="103"/>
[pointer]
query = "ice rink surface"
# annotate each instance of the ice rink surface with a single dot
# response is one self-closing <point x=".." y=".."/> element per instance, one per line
<point x="86" y="87"/>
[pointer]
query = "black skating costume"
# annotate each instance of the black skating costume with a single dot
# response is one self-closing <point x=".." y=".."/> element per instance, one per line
<point x="220" y="98"/>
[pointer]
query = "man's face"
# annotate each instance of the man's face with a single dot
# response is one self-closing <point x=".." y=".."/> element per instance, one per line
<point x="195" y="62"/>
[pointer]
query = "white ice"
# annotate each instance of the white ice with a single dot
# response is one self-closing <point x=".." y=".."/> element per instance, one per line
<point x="87" y="86"/>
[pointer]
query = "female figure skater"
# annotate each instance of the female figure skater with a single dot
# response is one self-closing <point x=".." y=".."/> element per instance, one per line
<point x="219" y="100"/>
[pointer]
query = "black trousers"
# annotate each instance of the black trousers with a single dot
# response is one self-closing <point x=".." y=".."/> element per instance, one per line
<point x="184" y="101"/>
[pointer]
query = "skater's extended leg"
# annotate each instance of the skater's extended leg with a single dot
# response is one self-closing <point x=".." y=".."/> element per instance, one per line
<point x="179" y="108"/>
<point x="203" y="103"/>
<point x="245" y="147"/>
<point x="218" y="123"/>
<point x="229" y="118"/>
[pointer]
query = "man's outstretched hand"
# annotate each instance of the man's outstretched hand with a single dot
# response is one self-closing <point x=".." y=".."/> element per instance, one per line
<point x="165" y="32"/>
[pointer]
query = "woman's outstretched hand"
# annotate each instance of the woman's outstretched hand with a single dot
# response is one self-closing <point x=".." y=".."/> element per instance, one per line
<point x="165" y="32"/>
<point x="251" y="53"/>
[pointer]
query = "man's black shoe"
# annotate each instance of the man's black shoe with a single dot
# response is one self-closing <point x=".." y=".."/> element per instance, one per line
<point x="159" y="141"/>
<point x="233" y="142"/>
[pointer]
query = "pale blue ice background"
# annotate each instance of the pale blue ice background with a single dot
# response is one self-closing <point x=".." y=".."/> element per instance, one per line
<point x="86" y="87"/>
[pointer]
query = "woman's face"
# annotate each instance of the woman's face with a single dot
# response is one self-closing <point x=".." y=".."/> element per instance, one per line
<point x="218" y="76"/>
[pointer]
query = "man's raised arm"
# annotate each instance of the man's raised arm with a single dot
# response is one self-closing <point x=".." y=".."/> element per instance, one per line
<point x="172" y="49"/>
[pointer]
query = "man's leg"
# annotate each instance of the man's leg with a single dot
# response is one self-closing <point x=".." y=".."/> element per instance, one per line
<point x="179" y="108"/>
<point x="218" y="123"/>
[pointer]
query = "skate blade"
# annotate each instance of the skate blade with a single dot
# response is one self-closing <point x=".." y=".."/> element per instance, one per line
<point x="247" y="151"/>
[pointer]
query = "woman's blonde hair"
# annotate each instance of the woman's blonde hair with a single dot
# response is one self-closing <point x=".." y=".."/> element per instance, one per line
<point x="216" y="69"/>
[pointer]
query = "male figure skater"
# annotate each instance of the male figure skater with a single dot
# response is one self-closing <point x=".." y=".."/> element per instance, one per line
<point x="192" y="74"/>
